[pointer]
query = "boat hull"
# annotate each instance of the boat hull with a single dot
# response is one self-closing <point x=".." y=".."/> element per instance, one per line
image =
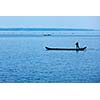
<point x="69" y="49"/>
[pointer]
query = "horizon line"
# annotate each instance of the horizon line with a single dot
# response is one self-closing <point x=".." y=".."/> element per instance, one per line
<point x="45" y="29"/>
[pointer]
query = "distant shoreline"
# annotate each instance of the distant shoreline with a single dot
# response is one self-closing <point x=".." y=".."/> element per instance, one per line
<point x="30" y="35"/>
<point x="46" y="29"/>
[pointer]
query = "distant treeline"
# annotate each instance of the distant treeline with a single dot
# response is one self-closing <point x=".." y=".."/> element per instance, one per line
<point x="44" y="29"/>
<point x="32" y="35"/>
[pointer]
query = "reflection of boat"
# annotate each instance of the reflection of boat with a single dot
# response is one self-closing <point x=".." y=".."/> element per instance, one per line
<point x="72" y="49"/>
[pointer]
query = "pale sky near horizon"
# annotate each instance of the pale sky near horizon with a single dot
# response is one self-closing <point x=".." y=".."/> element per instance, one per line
<point x="92" y="22"/>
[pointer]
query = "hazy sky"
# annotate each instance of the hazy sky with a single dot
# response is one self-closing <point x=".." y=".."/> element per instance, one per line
<point x="51" y="21"/>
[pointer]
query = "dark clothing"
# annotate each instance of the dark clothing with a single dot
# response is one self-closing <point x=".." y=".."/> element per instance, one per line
<point x="77" y="45"/>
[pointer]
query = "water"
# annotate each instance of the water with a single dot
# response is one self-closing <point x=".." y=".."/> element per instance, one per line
<point x="25" y="59"/>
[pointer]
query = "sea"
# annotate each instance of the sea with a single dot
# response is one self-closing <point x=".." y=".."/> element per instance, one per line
<point x="24" y="58"/>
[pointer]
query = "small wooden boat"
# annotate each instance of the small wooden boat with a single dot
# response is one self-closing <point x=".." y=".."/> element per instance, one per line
<point x="47" y="34"/>
<point x="69" y="49"/>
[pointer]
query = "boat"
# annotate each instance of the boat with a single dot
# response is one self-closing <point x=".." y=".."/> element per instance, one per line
<point x="47" y="35"/>
<point x="69" y="49"/>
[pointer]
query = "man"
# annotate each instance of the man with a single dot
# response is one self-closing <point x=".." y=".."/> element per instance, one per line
<point x="77" y="45"/>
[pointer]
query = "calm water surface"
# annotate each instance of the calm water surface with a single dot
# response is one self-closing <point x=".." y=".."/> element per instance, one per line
<point x="25" y="59"/>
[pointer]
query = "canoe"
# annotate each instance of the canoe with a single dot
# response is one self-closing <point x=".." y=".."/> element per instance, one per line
<point x="69" y="49"/>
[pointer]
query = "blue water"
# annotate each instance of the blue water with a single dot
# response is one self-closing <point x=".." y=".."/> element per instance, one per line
<point x="25" y="59"/>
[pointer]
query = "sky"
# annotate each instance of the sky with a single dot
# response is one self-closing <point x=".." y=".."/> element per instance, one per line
<point x="89" y="22"/>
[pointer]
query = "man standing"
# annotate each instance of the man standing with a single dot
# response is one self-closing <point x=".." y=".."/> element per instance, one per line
<point x="77" y="45"/>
